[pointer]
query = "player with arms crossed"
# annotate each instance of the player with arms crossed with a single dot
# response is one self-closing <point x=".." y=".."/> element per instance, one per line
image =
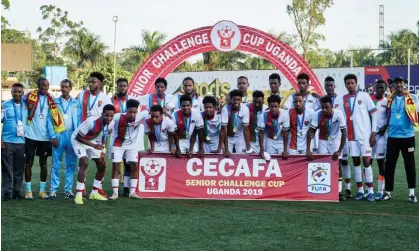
<point x="300" y="118"/>
<point x="332" y="136"/>
<point x="361" y="121"/>
<point x="89" y="141"/>
<point x="161" y="132"/>
<point x="256" y="109"/>
<point x="189" y="125"/>
<point x="214" y="137"/>
<point x="380" y="148"/>
<point x="125" y="135"/>
<point x="235" y="121"/>
<point x="275" y="123"/>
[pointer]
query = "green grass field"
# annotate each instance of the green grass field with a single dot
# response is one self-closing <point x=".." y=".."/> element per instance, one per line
<point x="128" y="224"/>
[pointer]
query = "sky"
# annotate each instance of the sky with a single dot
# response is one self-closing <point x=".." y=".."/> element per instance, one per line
<point x="348" y="22"/>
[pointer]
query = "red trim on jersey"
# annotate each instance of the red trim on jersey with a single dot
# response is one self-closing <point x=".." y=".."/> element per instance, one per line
<point x="122" y="129"/>
<point x="349" y="122"/>
<point x="322" y="127"/>
<point x="150" y="125"/>
<point x="294" y="125"/>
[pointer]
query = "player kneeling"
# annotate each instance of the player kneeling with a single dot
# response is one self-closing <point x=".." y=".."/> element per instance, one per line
<point x="88" y="141"/>
<point x="125" y="135"/>
<point x="332" y="126"/>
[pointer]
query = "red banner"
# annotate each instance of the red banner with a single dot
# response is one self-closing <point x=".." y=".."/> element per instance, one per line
<point x="241" y="177"/>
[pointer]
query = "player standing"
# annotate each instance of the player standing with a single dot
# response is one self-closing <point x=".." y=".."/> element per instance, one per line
<point x="242" y="86"/>
<point x="256" y="109"/>
<point x="275" y="123"/>
<point x="214" y="137"/>
<point x="188" y="85"/>
<point x="159" y="98"/>
<point x="361" y="120"/>
<point x="89" y="141"/>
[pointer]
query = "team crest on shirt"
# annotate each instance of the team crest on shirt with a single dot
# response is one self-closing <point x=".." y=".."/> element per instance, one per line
<point x="359" y="102"/>
<point x="336" y="105"/>
<point x="99" y="104"/>
<point x="334" y="122"/>
<point x="306" y="122"/>
<point x="163" y="130"/>
<point x="193" y="121"/>
<point x="385" y="106"/>
<point x="310" y="101"/>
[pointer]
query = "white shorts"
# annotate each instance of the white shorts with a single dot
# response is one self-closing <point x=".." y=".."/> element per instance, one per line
<point x="379" y="150"/>
<point x="345" y="152"/>
<point x="237" y="142"/>
<point x="296" y="152"/>
<point x="358" y="148"/>
<point x="315" y="142"/>
<point x="185" y="143"/>
<point x="119" y="153"/>
<point x="274" y="146"/>
<point x="83" y="150"/>
<point x="212" y="145"/>
<point x="161" y="147"/>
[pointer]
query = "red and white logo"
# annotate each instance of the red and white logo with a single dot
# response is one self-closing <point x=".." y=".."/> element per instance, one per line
<point x="225" y="36"/>
<point x="152" y="175"/>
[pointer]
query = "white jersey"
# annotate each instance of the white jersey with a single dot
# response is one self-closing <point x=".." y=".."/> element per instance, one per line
<point x="149" y="100"/>
<point x="121" y="104"/>
<point x="194" y="122"/>
<point x="299" y="126"/>
<point x="161" y="132"/>
<point x="310" y="102"/>
<point x="196" y="103"/>
<point x="93" y="105"/>
<point x="329" y="129"/>
<point x="239" y="120"/>
<point x="357" y="110"/>
<point x="381" y="106"/>
<point x="93" y="130"/>
<point x="273" y="128"/>
<point x="129" y="131"/>
<point x="212" y="129"/>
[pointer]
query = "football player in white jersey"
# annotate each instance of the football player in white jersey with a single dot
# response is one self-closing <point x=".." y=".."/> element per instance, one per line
<point x="160" y="97"/>
<point x="256" y="108"/>
<point x="188" y="85"/>
<point x="235" y="121"/>
<point x="332" y="133"/>
<point x="88" y="141"/>
<point x="361" y="120"/>
<point x="161" y="132"/>
<point x="124" y="138"/>
<point x="379" y="150"/>
<point x="300" y="119"/>
<point x="214" y="137"/>
<point x="274" y="124"/>
<point x="189" y="126"/>
<point x="344" y="168"/>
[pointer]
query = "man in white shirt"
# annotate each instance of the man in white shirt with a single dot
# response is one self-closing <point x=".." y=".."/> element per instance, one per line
<point x="274" y="124"/>
<point x="189" y="126"/>
<point x="300" y="118"/>
<point x="161" y="132"/>
<point x="361" y="120"/>
<point x="124" y="137"/>
<point x="256" y="108"/>
<point x="88" y="141"/>
<point x="235" y="121"/>
<point x="158" y="98"/>
<point x="214" y="137"/>
<point x="188" y="85"/>
<point x="332" y="133"/>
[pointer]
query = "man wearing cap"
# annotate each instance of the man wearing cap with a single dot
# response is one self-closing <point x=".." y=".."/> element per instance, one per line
<point x="402" y="115"/>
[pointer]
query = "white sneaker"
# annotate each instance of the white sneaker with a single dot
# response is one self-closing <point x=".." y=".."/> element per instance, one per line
<point x="114" y="196"/>
<point x="135" y="196"/>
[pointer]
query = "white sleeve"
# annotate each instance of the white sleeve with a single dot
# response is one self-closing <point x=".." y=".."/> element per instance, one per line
<point x="246" y="116"/>
<point x="171" y="126"/>
<point x="315" y="120"/>
<point x="199" y="122"/>
<point x="286" y="120"/>
<point x="171" y="102"/>
<point x="142" y="115"/>
<point x="85" y="127"/>
<point x="146" y="129"/>
<point x="342" y="121"/>
<point x="224" y="116"/>
<point x="288" y="103"/>
<point x="316" y="105"/>
<point x="261" y="121"/>
<point x="144" y="100"/>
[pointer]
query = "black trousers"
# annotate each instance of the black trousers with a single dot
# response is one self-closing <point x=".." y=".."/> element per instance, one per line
<point x="12" y="167"/>
<point x="407" y="147"/>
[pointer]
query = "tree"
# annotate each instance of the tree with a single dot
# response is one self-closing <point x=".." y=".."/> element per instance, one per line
<point x="84" y="47"/>
<point x="52" y="38"/>
<point x="4" y="23"/>
<point x="397" y="44"/>
<point x="189" y="67"/>
<point x="308" y="15"/>
<point x="258" y="63"/>
<point x="363" y="56"/>
<point x="320" y="58"/>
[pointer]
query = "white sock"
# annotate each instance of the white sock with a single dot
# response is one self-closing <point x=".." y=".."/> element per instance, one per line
<point x="101" y="183"/>
<point x="411" y="191"/>
<point x="358" y="179"/>
<point x="115" y="186"/>
<point x="381" y="183"/>
<point x="133" y="185"/>
<point x="96" y="186"/>
<point x="347" y="176"/>
<point x="127" y="181"/>
<point x="80" y="188"/>
<point x="369" y="179"/>
<point x="340" y="186"/>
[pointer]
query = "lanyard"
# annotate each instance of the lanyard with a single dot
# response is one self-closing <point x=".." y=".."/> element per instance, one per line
<point x="329" y="126"/>
<point x="160" y="101"/>
<point x="245" y="98"/>
<point x="20" y="115"/>
<point x="121" y="104"/>
<point x="300" y="123"/>
<point x="399" y="104"/>
<point x="187" y="123"/>
<point x="275" y="125"/>
<point x="68" y="105"/>
<point x="352" y="107"/>
<point x="42" y="104"/>
<point x="159" y="132"/>
<point x="333" y="100"/>
<point x="104" y="132"/>
<point x="233" y="116"/>
<point x="94" y="101"/>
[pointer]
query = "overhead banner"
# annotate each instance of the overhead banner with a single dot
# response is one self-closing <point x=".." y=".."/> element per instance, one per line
<point x="241" y="177"/>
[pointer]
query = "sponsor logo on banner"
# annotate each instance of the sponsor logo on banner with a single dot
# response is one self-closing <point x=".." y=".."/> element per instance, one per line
<point x="225" y="36"/>
<point x="152" y="175"/>
<point x="318" y="178"/>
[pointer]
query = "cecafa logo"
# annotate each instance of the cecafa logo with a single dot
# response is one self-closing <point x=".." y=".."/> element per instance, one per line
<point x="225" y="36"/>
